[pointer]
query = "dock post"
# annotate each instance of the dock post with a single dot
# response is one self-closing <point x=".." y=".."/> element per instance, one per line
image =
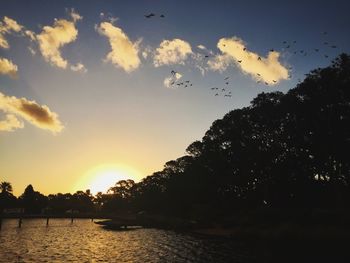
<point x="47" y="221"/>
<point x="92" y="220"/>
<point x="71" y="220"/>
<point x="20" y="222"/>
<point x="0" y="222"/>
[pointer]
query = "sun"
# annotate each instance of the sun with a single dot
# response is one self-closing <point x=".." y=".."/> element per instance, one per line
<point x="100" y="178"/>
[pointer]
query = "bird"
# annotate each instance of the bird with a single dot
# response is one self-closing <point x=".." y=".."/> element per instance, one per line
<point x="244" y="49"/>
<point x="258" y="81"/>
<point x="272" y="50"/>
<point x="149" y="15"/>
<point x="258" y="74"/>
<point x="226" y="83"/>
<point x="239" y="61"/>
<point x="206" y="56"/>
<point x="226" y="78"/>
<point x="173" y="72"/>
<point x="266" y="83"/>
<point x="294" y="41"/>
<point x="162" y="16"/>
<point x="284" y="42"/>
<point x="222" y="89"/>
<point x="216" y="94"/>
<point x="316" y="49"/>
<point x="326" y="56"/>
<point x="212" y="88"/>
<point x="259" y="58"/>
<point x="187" y="81"/>
<point x="274" y="81"/>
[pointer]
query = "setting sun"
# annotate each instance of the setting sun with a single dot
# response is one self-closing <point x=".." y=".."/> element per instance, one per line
<point x="100" y="178"/>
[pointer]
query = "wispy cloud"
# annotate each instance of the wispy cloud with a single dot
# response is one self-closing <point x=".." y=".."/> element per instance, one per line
<point x="38" y="115"/>
<point x="53" y="38"/>
<point x="170" y="81"/>
<point x="79" y="67"/>
<point x="172" y="52"/>
<point x="8" y="26"/>
<point x="234" y="50"/>
<point x="10" y="123"/>
<point x="124" y="53"/>
<point x="7" y="67"/>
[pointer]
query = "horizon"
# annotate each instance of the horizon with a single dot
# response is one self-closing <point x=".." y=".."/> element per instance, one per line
<point x="98" y="103"/>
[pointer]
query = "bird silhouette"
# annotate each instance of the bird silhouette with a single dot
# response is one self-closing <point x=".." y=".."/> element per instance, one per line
<point x="258" y="74"/>
<point x="274" y="81"/>
<point x="226" y="78"/>
<point x="216" y="94"/>
<point x="244" y="49"/>
<point x="316" y="49"/>
<point x="222" y="89"/>
<point x="259" y="58"/>
<point x="239" y="61"/>
<point x="226" y="83"/>
<point x="149" y="15"/>
<point x="162" y="16"/>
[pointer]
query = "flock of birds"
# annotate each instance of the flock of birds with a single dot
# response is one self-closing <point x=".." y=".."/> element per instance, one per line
<point x="224" y="91"/>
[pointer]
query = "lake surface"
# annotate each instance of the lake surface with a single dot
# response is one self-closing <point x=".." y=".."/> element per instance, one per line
<point x="84" y="241"/>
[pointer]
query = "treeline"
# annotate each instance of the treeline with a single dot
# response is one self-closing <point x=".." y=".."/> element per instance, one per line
<point x="284" y="151"/>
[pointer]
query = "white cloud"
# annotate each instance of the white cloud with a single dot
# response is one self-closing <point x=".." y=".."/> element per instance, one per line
<point x="8" y="68"/>
<point x="79" y="67"/>
<point x="268" y="69"/>
<point x="38" y="115"/>
<point x="7" y="26"/>
<point x="171" y="52"/>
<point x="124" y="53"/>
<point x="52" y="39"/>
<point x="170" y="81"/>
<point x="11" y="123"/>
<point x="220" y="62"/>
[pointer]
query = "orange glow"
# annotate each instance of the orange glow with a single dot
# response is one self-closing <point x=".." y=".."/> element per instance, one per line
<point x="102" y="177"/>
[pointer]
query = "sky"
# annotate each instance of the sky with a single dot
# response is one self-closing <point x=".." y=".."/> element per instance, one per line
<point x="95" y="91"/>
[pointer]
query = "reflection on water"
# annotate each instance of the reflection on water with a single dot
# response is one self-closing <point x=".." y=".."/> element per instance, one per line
<point x="84" y="241"/>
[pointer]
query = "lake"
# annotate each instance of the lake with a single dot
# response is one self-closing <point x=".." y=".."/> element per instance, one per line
<point x="84" y="241"/>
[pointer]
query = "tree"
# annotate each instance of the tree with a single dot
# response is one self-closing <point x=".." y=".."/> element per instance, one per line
<point x="6" y="187"/>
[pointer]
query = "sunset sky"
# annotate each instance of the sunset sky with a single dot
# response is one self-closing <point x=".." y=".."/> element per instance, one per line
<point x="85" y="86"/>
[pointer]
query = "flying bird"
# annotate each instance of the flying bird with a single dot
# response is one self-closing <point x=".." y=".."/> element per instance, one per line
<point x="226" y="78"/>
<point x="173" y="72"/>
<point x="216" y="94"/>
<point x="149" y="15"/>
<point x="226" y="83"/>
<point x="162" y="16"/>
<point x="259" y="58"/>
<point x="239" y="61"/>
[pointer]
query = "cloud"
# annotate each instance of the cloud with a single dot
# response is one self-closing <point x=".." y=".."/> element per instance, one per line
<point x="11" y="123"/>
<point x="38" y="115"/>
<point x="124" y="53"/>
<point x="8" y="26"/>
<point x="170" y="81"/>
<point x="201" y="47"/>
<point x="220" y="62"/>
<point x="8" y="68"/>
<point x="268" y="69"/>
<point x="171" y="52"/>
<point x="79" y="67"/>
<point x="52" y="39"/>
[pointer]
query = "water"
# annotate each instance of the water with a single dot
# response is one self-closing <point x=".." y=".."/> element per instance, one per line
<point x="84" y="241"/>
